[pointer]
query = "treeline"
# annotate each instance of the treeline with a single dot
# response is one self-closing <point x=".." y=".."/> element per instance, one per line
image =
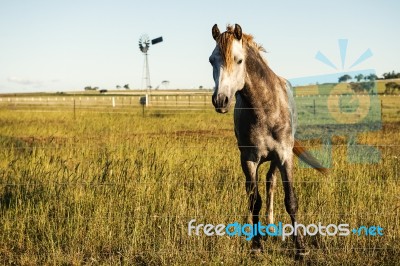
<point x="90" y="88"/>
<point x="363" y="83"/>
<point x="370" y="77"/>
<point x="366" y="83"/>
<point x="391" y="75"/>
<point x="359" y="77"/>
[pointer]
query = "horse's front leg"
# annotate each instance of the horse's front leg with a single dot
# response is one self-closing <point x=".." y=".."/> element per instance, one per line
<point x="291" y="202"/>
<point x="250" y="170"/>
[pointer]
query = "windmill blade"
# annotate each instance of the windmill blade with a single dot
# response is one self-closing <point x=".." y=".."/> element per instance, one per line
<point x="144" y="43"/>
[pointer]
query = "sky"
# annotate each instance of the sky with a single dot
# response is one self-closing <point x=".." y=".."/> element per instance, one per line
<point x="48" y="45"/>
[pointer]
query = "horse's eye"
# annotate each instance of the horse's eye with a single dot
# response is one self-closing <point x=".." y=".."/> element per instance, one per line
<point x="240" y="61"/>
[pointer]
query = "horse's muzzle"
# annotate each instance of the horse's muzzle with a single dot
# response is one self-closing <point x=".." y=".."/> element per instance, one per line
<point x="221" y="103"/>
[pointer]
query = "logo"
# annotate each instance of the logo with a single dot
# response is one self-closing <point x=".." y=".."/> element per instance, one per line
<point x="345" y="104"/>
<point x="279" y="230"/>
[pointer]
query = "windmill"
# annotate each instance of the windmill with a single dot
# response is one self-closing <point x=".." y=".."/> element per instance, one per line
<point x="144" y="45"/>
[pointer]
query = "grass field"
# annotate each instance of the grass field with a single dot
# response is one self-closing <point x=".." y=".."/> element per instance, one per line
<point x="105" y="185"/>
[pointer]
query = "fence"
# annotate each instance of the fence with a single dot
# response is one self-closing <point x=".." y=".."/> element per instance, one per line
<point x="311" y="103"/>
<point x="181" y="100"/>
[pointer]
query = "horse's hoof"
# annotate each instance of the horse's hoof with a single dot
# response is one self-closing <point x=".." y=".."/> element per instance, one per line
<point x="301" y="254"/>
<point x="256" y="247"/>
<point x="256" y="253"/>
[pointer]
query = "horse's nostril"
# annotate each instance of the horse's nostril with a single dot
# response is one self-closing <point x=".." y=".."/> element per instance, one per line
<point x="222" y="100"/>
<point x="226" y="101"/>
<point x="214" y="100"/>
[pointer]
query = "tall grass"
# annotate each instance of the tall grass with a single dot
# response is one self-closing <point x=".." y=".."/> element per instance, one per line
<point x="119" y="188"/>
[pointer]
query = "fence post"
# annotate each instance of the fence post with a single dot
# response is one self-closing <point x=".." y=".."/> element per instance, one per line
<point x="314" y="105"/>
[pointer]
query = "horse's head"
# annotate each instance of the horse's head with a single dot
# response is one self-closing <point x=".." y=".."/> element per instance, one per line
<point x="227" y="60"/>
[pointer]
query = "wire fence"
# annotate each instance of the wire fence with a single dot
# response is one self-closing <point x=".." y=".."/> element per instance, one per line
<point x="202" y="100"/>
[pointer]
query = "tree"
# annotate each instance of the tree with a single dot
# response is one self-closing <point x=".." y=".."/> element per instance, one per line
<point x="344" y="78"/>
<point x="359" y="77"/>
<point x="385" y="75"/>
<point x="372" y="77"/>
<point x="90" y="88"/>
<point x="391" y="75"/>
<point x="126" y="86"/>
<point x="118" y="87"/>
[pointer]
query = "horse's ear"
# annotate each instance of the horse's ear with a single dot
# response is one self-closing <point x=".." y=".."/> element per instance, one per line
<point x="237" y="32"/>
<point x="215" y="32"/>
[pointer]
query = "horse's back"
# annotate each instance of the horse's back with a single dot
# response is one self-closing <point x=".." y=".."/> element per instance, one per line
<point x="292" y="107"/>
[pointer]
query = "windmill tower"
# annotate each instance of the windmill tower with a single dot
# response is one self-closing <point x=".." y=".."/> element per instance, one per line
<point x="144" y="45"/>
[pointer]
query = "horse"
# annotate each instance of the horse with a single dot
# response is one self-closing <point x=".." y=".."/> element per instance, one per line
<point x="264" y="121"/>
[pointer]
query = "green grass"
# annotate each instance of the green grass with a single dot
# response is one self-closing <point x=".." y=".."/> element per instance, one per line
<point x="113" y="187"/>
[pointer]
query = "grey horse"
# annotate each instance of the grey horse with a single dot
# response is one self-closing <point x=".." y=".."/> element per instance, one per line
<point x="264" y="118"/>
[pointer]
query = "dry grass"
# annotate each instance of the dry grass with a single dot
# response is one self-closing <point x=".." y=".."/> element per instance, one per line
<point x="117" y="188"/>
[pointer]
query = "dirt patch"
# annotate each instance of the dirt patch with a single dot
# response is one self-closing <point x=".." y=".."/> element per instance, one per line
<point x="393" y="126"/>
<point x="208" y="133"/>
<point x="37" y="140"/>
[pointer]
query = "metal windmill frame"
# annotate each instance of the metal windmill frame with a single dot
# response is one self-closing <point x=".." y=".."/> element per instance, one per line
<point x="144" y="46"/>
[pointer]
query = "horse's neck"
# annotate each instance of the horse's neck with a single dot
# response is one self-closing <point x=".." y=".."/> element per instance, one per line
<point x="262" y="92"/>
<point x="262" y="85"/>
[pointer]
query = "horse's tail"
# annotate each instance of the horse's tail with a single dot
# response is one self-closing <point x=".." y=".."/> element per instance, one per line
<point x="307" y="157"/>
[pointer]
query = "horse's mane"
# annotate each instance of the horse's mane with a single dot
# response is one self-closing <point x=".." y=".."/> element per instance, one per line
<point x="256" y="63"/>
<point x="224" y="41"/>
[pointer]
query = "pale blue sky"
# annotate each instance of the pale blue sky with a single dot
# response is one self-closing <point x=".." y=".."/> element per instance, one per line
<point x="66" y="45"/>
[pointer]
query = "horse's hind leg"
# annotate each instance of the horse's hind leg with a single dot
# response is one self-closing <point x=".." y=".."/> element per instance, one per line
<point x="250" y="170"/>
<point x="271" y="184"/>
<point x="291" y="204"/>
